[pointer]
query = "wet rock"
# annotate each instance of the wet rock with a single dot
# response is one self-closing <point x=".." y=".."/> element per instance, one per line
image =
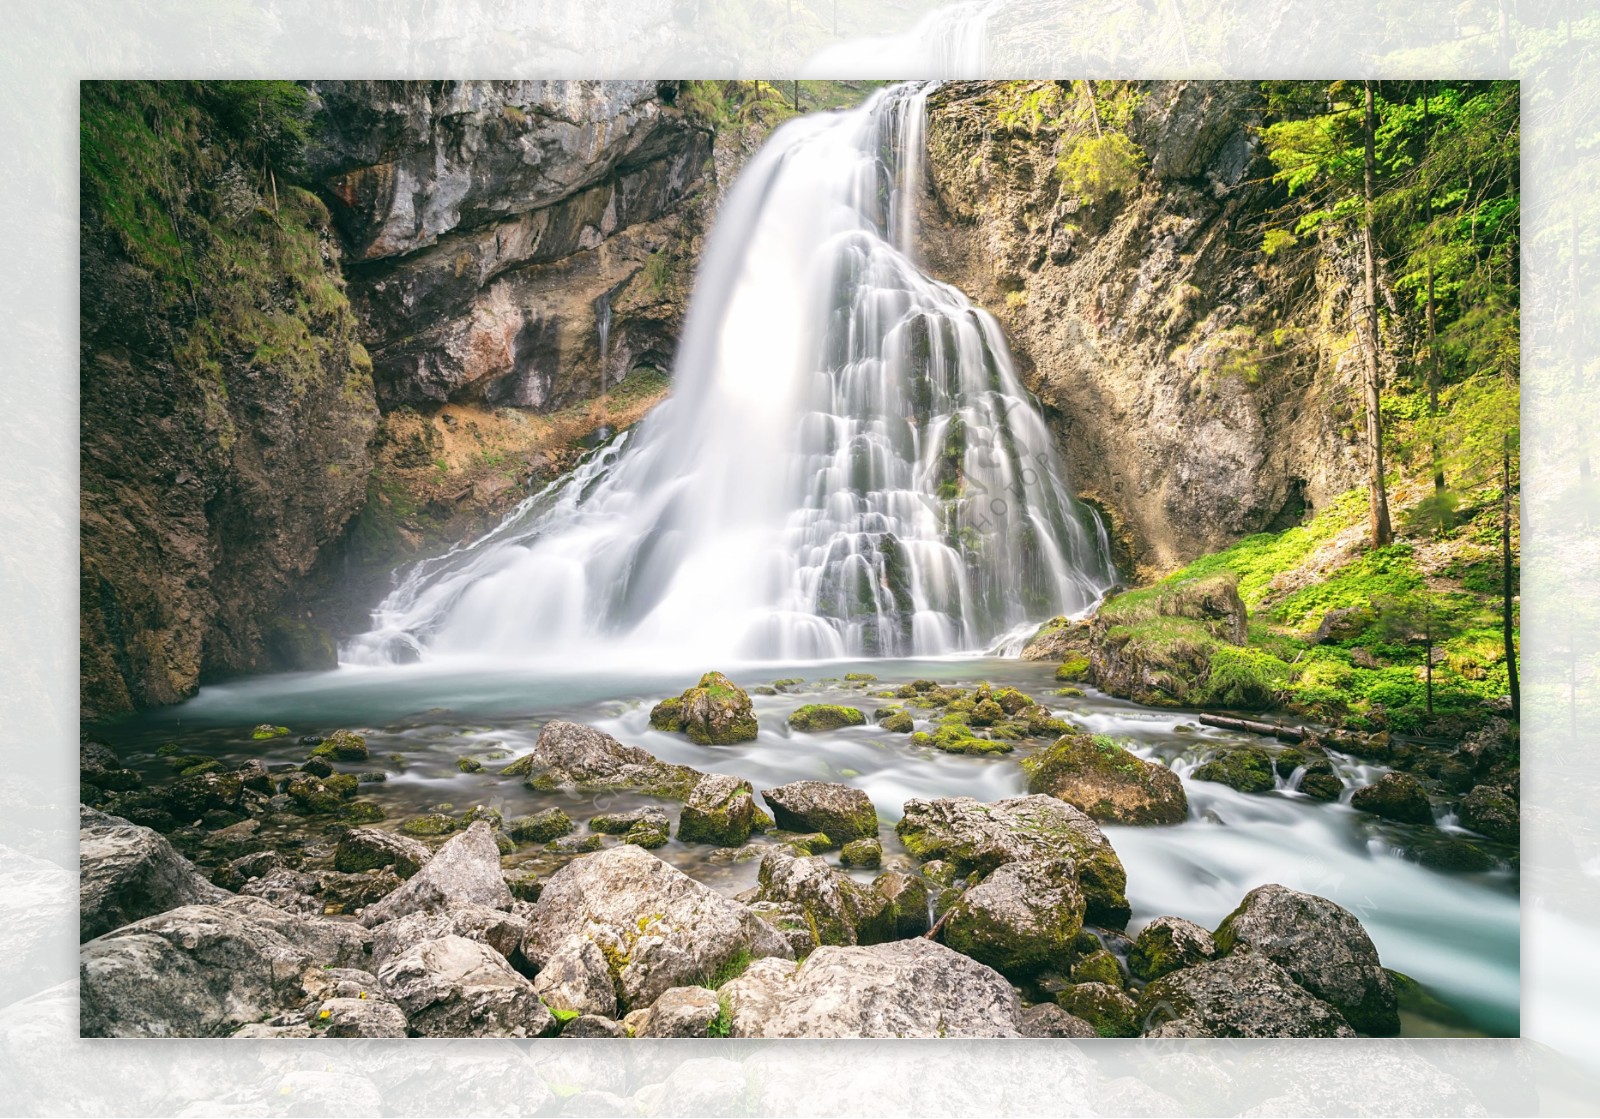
<point x="839" y="811"/>
<point x="362" y="849"/>
<point x="619" y="823"/>
<point x="577" y="977"/>
<point x="657" y="927"/>
<point x="811" y="843"/>
<point x="898" y="721"/>
<point x="317" y="767"/>
<point x="358" y="1017"/>
<point x="455" y="987"/>
<point x="721" y="810"/>
<point x="541" y="827"/>
<point x="234" y="873"/>
<point x="904" y="988"/>
<point x="1396" y="796"/>
<point x="126" y="872"/>
<point x="1022" y="919"/>
<point x="285" y="888"/>
<point x="1245" y="768"/>
<point x="1107" y="1009"/>
<point x="314" y="796"/>
<point x="975" y="837"/>
<point x="1323" y="948"/>
<point x="1322" y="786"/>
<point x="498" y="929"/>
<point x="592" y="1025"/>
<point x="1489" y="811"/>
<point x="836" y="909"/>
<point x="863" y="853"/>
<point x="1110" y="784"/>
<point x="465" y="871"/>
<point x="908" y="900"/>
<point x="813" y="718"/>
<point x="580" y="757"/>
<point x="1167" y="944"/>
<point x="1239" y="996"/>
<point x="715" y="712"/>
<point x="1099" y="966"/>
<point x="99" y="766"/>
<point x="431" y="825"/>
<point x="1049" y="1020"/>
<point x="681" y="1012"/>
<point x="1449" y="855"/>
<point x="343" y="746"/>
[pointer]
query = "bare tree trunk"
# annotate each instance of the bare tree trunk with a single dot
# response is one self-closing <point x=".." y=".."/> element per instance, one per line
<point x="1507" y="630"/>
<point x="1094" y="112"/>
<point x="1378" y="499"/>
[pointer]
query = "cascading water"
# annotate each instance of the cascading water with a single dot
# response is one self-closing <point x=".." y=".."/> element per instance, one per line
<point x="847" y="465"/>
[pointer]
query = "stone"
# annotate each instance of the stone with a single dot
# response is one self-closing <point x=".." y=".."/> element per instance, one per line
<point x="1247" y="769"/>
<point x="975" y="837"/>
<point x="343" y="746"/>
<point x="898" y="721"/>
<point x="312" y="796"/>
<point x="1323" y="948"/>
<point x="576" y="977"/>
<point x="1489" y="811"/>
<point x="1245" y="995"/>
<point x="1322" y="786"/>
<point x="431" y="825"/>
<point x="715" y="712"/>
<point x="592" y="1025"/>
<point x="1049" y="1020"/>
<point x="657" y="927"/>
<point x="863" y="853"/>
<point x="1109" y="1011"/>
<point x="1167" y="944"/>
<point x="570" y="755"/>
<point x="285" y="888"/>
<point x="358" y="1017"/>
<point x="813" y="718"/>
<point x="541" y="827"/>
<point x="339" y="983"/>
<point x="839" y="811"/>
<point x="363" y="849"/>
<point x="98" y="765"/>
<point x="908" y="899"/>
<point x="455" y="987"/>
<point x="234" y="873"/>
<point x="681" y="1012"/>
<point x="721" y="810"/>
<point x="498" y="929"/>
<point x="465" y="871"/>
<point x="1021" y="920"/>
<point x="835" y="908"/>
<point x="1099" y="966"/>
<point x="1396" y="796"/>
<point x="126" y="872"/>
<point x="1110" y="784"/>
<point x="903" y="988"/>
<point x="619" y="823"/>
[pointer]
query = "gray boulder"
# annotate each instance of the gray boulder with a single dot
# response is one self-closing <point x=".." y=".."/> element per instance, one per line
<point x="1167" y="944"/>
<point x="838" y="811"/>
<point x="905" y="988"/>
<point x="657" y="927"/>
<point x="1021" y="920"/>
<point x="1489" y="811"/>
<point x="720" y="810"/>
<point x="363" y="849"/>
<point x="331" y="942"/>
<point x="465" y="871"/>
<point x="833" y="907"/>
<point x="680" y="1012"/>
<point x="577" y="977"/>
<point x="1322" y="946"/>
<point x="1396" y="796"/>
<point x="126" y="872"/>
<point x="285" y="888"/>
<point x="498" y="929"/>
<point x="359" y="1017"/>
<point x="455" y="987"/>
<point x="591" y="1025"/>
<point x="1240" y="996"/>
<point x="570" y="755"/>
<point x="1049" y="1020"/>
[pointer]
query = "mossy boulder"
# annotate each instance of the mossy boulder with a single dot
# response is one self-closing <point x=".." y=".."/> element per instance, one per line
<point x="808" y="843"/>
<point x="266" y="731"/>
<point x="817" y="717"/>
<point x="958" y="738"/>
<point x="1322" y="786"/>
<point x="1105" y="1007"/>
<point x="1450" y="855"/>
<point x="1245" y="768"/>
<point x="342" y="784"/>
<point x="909" y="901"/>
<point x="363" y="849"/>
<point x="1112" y="785"/>
<point x="1099" y="966"/>
<point x="842" y="812"/>
<point x="862" y="853"/>
<point x="317" y="767"/>
<point x="362" y="812"/>
<point x="540" y="827"/>
<point x="1491" y="812"/>
<point x="1395" y="796"/>
<point x="342" y="746"/>
<point x="1243" y="995"/>
<point x="1022" y="919"/>
<point x="312" y="797"/>
<point x="1073" y="669"/>
<point x="1058" y="639"/>
<point x="620" y="823"/>
<point x="834" y="908"/>
<point x="899" y="721"/>
<point x="649" y="832"/>
<point x="721" y="811"/>
<point x="431" y="825"/>
<point x="571" y="755"/>
<point x="1167" y="944"/>
<point x="715" y="712"/>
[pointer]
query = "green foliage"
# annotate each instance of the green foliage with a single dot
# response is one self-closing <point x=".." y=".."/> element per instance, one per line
<point x="1096" y="167"/>
<point x="725" y="104"/>
<point x="1244" y="679"/>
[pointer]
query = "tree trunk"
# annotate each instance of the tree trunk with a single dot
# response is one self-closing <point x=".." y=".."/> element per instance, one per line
<point x="1507" y="630"/>
<point x="1433" y="332"/>
<point x="1094" y="112"/>
<point x="1378" y="500"/>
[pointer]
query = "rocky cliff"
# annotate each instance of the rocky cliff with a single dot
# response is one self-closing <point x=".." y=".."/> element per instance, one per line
<point x="1190" y="405"/>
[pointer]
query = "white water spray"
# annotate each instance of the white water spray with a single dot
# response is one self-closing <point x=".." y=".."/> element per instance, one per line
<point x="847" y="465"/>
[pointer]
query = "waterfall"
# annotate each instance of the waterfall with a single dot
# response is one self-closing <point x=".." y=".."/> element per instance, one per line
<point x="847" y="464"/>
<point x="949" y="42"/>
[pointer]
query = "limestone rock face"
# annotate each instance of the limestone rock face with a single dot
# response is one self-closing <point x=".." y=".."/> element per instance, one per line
<point x="657" y="927"/>
<point x="127" y="872"/>
<point x="570" y="754"/>
<point x="1107" y="782"/>
<point x="465" y="871"/>
<point x="454" y="987"/>
<point x="1240" y="996"/>
<point x="905" y="988"/>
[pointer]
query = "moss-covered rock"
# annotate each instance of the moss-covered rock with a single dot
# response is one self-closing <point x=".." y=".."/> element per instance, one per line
<point x="862" y="853"/>
<point x="1099" y="966"/>
<point x="1111" y="1012"/>
<point x="842" y="812"/>
<point x="362" y="812"/>
<point x="1322" y="786"/>
<point x="909" y="901"/>
<point x="342" y="746"/>
<point x="1491" y="812"/>
<point x="312" y="797"/>
<point x="817" y="717"/>
<point x="540" y="827"/>
<point x="958" y="738"/>
<point x="720" y="811"/>
<point x="808" y="843"/>
<point x="431" y="825"/>
<point x="1167" y="944"/>
<point x="1072" y="669"/>
<point x="342" y="784"/>
<point x="899" y="721"/>
<point x="715" y="712"/>
<point x="649" y="832"/>
<point x="1112" y="785"/>
<point x="1245" y="768"/>
<point x="834" y="907"/>
<point x="1022" y="919"/>
<point x="317" y="767"/>
<point x="1395" y="796"/>
<point x="266" y="731"/>
<point x="469" y="765"/>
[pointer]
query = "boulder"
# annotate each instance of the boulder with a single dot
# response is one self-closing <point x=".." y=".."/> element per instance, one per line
<point x="721" y="810"/>
<point x="339" y="983"/>
<point x="363" y="849"/>
<point x="1110" y="784"/>
<point x="465" y="871"/>
<point x="1396" y="796"/>
<point x="126" y="872"/>
<point x="839" y="811"/>
<point x="1489" y="811"/>
<point x="904" y="988"/>
<point x="909" y="901"/>
<point x="541" y="827"/>
<point x="816" y="717"/>
<point x="863" y="853"/>
<point x="975" y="837"/>
<point x="1099" y="966"/>
<point x="285" y="888"/>
<point x="1021" y="920"/>
<point x="99" y="766"/>
<point x="1167" y="944"/>
<point x="657" y="927"/>
<point x="835" y="908"/>
<point x="455" y="987"/>
<point x="359" y="1017"/>
<point x="592" y="1025"/>
<point x="431" y="825"/>
<point x="715" y="712"/>
<point x="576" y="977"/>
<point x="1240" y="996"/>
<point x="498" y="929"/>
<point x="681" y="1012"/>
<point x="331" y="943"/>
<point x="343" y="746"/>
<point x="1322" y="786"/>
<point x="1323" y="948"/>
<point x="1049" y="1020"/>
<point x="588" y="760"/>
<point x="1245" y="768"/>
<point x="1107" y="1009"/>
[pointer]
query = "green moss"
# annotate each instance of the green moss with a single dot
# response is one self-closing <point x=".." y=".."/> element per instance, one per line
<point x="1073" y="668"/>
<point x="1242" y="679"/>
<point x="541" y="827"/>
<point x="342" y="745"/>
<point x="1111" y="1012"/>
<point x="361" y="812"/>
<point x="430" y="825"/>
<point x="864" y="853"/>
<point x="267" y="730"/>
<point x="815" y="717"/>
<point x="344" y="784"/>
<point x="1099" y="966"/>
<point x="1247" y="769"/>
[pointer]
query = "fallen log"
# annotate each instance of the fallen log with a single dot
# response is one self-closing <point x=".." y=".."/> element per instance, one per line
<point x="1228" y="722"/>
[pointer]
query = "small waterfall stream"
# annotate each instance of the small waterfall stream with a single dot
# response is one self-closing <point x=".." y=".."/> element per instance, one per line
<point x="848" y="464"/>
